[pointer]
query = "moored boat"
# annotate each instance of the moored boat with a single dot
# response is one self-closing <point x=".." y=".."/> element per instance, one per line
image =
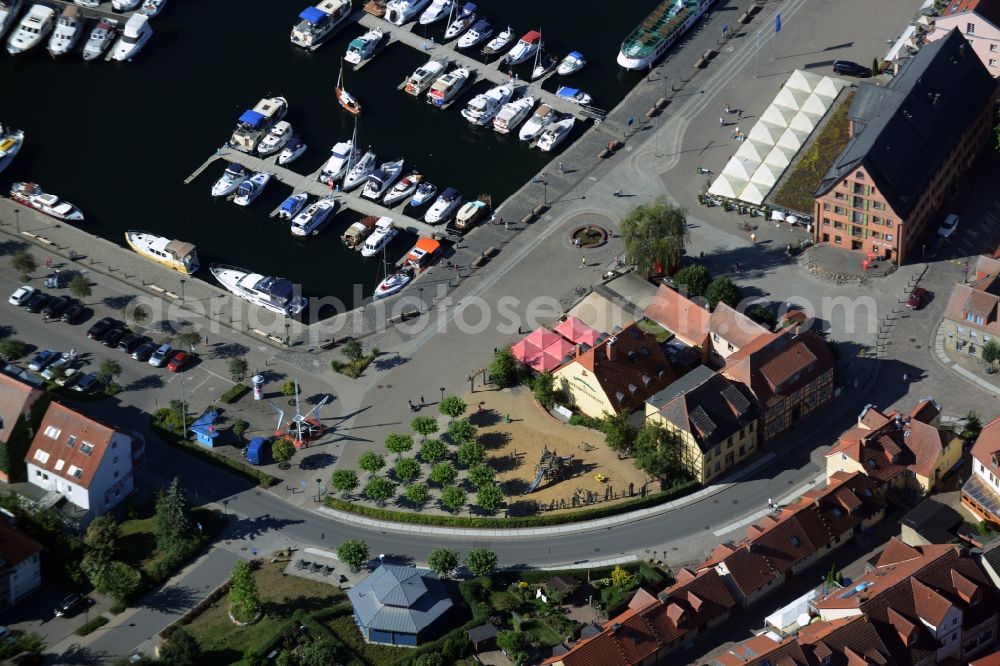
<point x="344" y="98"/>
<point x="67" y="33"/>
<point x="362" y="48"/>
<point x="380" y="237"/>
<point x="251" y="188"/>
<point x="422" y="254"/>
<point x="317" y="23"/>
<point x="555" y="134"/>
<point x="512" y="113"/>
<point x="100" y="39"/>
<point x="275" y="139"/>
<point x="479" y="32"/>
<point x="483" y="107"/>
<point x="135" y="35"/>
<point x="544" y="63"/>
<point x="447" y="87"/>
<point x="461" y="23"/>
<point x="444" y="206"/>
<point x="471" y="213"/>
<point x="425" y="75"/>
<point x="174" y="254"/>
<point x="341" y="156"/>
<point x="356" y="234"/>
<point x="425" y="192"/>
<point x="255" y="123"/>
<point x="540" y="119"/>
<point x="500" y="42"/>
<point x="312" y="219"/>
<point x="392" y="284"/>
<point x="291" y="206"/>
<point x="525" y="48"/>
<point x="292" y="150"/>
<point x="574" y="95"/>
<point x="122" y="6"/>
<point x="438" y="10"/>
<point x="151" y="8"/>
<point x="572" y="63"/>
<point x="11" y="141"/>
<point x="9" y="10"/>
<point x="401" y="12"/>
<point x="234" y="176"/>
<point x="382" y="179"/>
<point x="273" y="293"/>
<point x="32" y="196"/>
<point x="359" y="173"/>
<point x="659" y="30"/>
<point x="32" y="30"/>
<point x="404" y="188"/>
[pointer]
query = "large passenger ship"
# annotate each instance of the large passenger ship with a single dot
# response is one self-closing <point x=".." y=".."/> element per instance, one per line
<point x="659" y="30"/>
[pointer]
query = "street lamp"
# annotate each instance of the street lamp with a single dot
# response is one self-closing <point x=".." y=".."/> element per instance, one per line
<point x="17" y="219"/>
<point x="225" y="507"/>
<point x="545" y="188"/>
<point x="472" y="383"/>
<point x="182" y="289"/>
<point x="442" y="394"/>
<point x="318" y="488"/>
<point x="286" y="333"/>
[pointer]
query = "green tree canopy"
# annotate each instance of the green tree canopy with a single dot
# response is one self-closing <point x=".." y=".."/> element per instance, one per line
<point x="101" y="538"/>
<point x="282" y="450"/>
<point x="109" y="369"/>
<point x="237" y="368"/>
<point x="504" y="369"/>
<point x="353" y="553"/>
<point x="763" y="315"/>
<point x="543" y="386"/>
<point x="24" y="262"/>
<point x="694" y="279"/>
<point x="471" y="453"/>
<point x="618" y="433"/>
<point x="371" y="462"/>
<point x="443" y="474"/>
<point x="320" y="651"/>
<point x="244" y="600"/>
<point x="722" y="290"/>
<point x="481" y="561"/>
<point x="417" y="494"/>
<point x="655" y="235"/>
<point x="433" y="450"/>
<point x="658" y="452"/>
<point x="443" y="562"/>
<point x="407" y="469"/>
<point x="380" y="489"/>
<point x="452" y="406"/>
<point x="12" y="349"/>
<point x="344" y="480"/>
<point x="189" y="339"/>
<point x="481" y="475"/>
<point x="424" y="425"/>
<point x="490" y="498"/>
<point x="461" y="430"/>
<point x="453" y="498"/>
<point x="398" y="443"/>
<point x="173" y="519"/>
<point x="181" y="649"/>
<point x="353" y="350"/>
<point x="79" y="286"/>
<point x="991" y="351"/>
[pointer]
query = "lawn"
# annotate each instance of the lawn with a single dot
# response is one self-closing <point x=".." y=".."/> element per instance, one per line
<point x="137" y="545"/>
<point x="343" y="628"/>
<point x="651" y="327"/>
<point x="797" y="191"/>
<point x="541" y="632"/>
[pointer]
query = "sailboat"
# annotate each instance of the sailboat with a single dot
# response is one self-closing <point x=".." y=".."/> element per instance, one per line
<point x="544" y="62"/>
<point x="346" y="99"/>
<point x="392" y="282"/>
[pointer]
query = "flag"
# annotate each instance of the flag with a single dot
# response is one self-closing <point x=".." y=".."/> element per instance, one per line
<point x="777" y="22"/>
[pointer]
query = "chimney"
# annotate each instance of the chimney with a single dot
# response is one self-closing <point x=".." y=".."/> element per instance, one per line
<point x="578" y="351"/>
<point x="610" y="348"/>
<point x="615" y="627"/>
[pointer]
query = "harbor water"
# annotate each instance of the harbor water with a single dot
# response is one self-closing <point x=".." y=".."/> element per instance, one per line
<point x="118" y="139"/>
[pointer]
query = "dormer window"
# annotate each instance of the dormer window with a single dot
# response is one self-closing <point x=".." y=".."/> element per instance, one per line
<point x="71" y="441"/>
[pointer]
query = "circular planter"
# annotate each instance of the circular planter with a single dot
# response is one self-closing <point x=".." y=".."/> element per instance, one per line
<point x="255" y="619"/>
<point x="589" y="237"/>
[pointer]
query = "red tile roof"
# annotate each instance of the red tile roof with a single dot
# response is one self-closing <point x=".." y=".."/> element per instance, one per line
<point x="841" y="639"/>
<point x="15" y="545"/>
<point x="16" y="397"/>
<point x="763" y="649"/>
<point x="735" y="327"/>
<point x="987" y="447"/>
<point x="679" y="315"/>
<point x="988" y="9"/>
<point x="776" y="367"/>
<point x="60" y="446"/>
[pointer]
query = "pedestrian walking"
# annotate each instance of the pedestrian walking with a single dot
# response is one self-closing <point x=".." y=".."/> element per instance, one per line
<point x="479" y="408"/>
<point x="422" y="400"/>
<point x="722" y="122"/>
<point x="753" y="239"/>
<point x="48" y="262"/>
<point x="559" y="167"/>
<point x="583" y="262"/>
<point x="770" y="503"/>
<point x="739" y="114"/>
<point x="727" y="109"/>
<point x="410" y="403"/>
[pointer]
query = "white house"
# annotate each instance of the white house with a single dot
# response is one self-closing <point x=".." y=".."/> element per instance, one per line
<point x="20" y="565"/>
<point x="87" y="462"/>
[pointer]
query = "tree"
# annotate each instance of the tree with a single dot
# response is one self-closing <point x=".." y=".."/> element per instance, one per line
<point x="511" y="642"/>
<point x="991" y="351"/>
<point x="173" y="520"/>
<point x="12" y="349"/>
<point x="973" y="426"/>
<point x="763" y="315"/>
<point x="443" y="474"/>
<point x="239" y="427"/>
<point x="722" y="290"/>
<point x="875" y="68"/>
<point x="453" y="498"/>
<point x="120" y="581"/>
<point x="288" y="389"/>
<point x="481" y="561"/>
<point x="380" y="489"/>
<point x="443" y="562"/>
<point x="433" y="450"/>
<point x="618" y="433"/>
<point x="654" y="236"/>
<point x="461" y="430"/>
<point x="504" y="369"/>
<point x="407" y="469"/>
<point x="353" y="350"/>
<point x="139" y="315"/>
<point x="24" y="263"/>
<point x="237" y="368"/>
<point x="417" y="494"/>
<point x="320" y="652"/>
<point x="188" y="339"/>
<point x="452" y="406"/>
<point x="481" y="475"/>
<point x="101" y="538"/>
<point x="620" y="577"/>
<point x="79" y="286"/>
<point x="430" y="659"/>
<point x="108" y="370"/>
<point x="694" y="279"/>
<point x="371" y="462"/>
<point x="181" y="649"/>
<point x="471" y="453"/>
<point x="490" y="498"/>
<point x="424" y="425"/>
<point x="344" y="480"/>
<point x="544" y="390"/>
<point x="353" y="553"/>
<point x="282" y="450"/>
<point x="658" y="452"/>
<point x="244" y="600"/>
<point x="398" y="443"/>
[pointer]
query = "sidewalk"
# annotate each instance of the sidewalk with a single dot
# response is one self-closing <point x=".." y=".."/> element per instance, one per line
<point x="944" y="358"/>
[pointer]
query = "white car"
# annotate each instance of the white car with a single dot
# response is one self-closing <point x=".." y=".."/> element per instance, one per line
<point x="21" y="296"/>
<point x="947" y="227"/>
<point x="160" y="356"/>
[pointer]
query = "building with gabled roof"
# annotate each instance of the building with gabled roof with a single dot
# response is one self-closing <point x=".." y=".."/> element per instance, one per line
<point x="972" y="314"/>
<point x="979" y="23"/>
<point x="730" y="331"/>
<point x="16" y="400"/>
<point x="397" y="605"/>
<point x="686" y="319"/>
<point x="20" y="563"/>
<point x="846" y="642"/>
<point x="981" y="492"/>
<point x="763" y="650"/>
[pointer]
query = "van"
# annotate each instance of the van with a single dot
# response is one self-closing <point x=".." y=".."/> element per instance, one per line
<point x="159" y="357"/>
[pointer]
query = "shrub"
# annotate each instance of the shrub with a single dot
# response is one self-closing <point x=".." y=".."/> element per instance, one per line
<point x="433" y="450"/>
<point x="417" y="494"/>
<point x="380" y="489"/>
<point x="504" y="369"/>
<point x="453" y="498"/>
<point x="443" y="474"/>
<point x="407" y="469"/>
<point x="452" y="406"/>
<point x="234" y="393"/>
<point x="90" y="626"/>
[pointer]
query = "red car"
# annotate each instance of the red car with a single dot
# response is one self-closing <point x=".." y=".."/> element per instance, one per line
<point x="918" y="298"/>
<point x="180" y="361"/>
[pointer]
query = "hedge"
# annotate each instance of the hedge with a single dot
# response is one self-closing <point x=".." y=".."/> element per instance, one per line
<point x="511" y="523"/>
<point x="234" y="393"/>
<point x="263" y="478"/>
<point x="88" y="627"/>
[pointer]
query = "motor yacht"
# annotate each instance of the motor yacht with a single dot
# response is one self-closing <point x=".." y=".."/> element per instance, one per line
<point x="392" y="284"/>
<point x="291" y="206"/>
<point x="572" y="63"/>
<point x="251" y="188"/>
<point x="292" y="150"/>
<point x="312" y="219"/>
<point x="67" y="33"/>
<point x="9" y="10"/>
<point x="100" y="40"/>
<point x="275" y="139"/>
<point x="359" y="173"/>
<point x="356" y="234"/>
<point x="425" y="192"/>
<point x="32" y="30"/>
<point x="382" y="179"/>
<point x="539" y="120"/>
<point x="273" y="293"/>
<point x="341" y="156"/>
<point x="512" y="113"/>
<point x="151" y="8"/>
<point x="574" y="95"/>
<point x="380" y="237"/>
<point x="444" y="206"/>
<point x="404" y="188"/>
<point x="32" y="196"/>
<point x="483" y="107"/>
<point x="424" y="76"/>
<point x="137" y="32"/>
<point x="438" y="10"/>
<point x="11" y="141"/>
<point x="317" y="23"/>
<point x="174" y="254"/>
<point x="480" y="31"/>
<point x="447" y="87"/>
<point x="234" y="176"/>
<point x="555" y="134"/>
<point x="364" y="47"/>
<point x="122" y="6"/>
<point x="462" y="22"/>
<point x="525" y="48"/>
<point x="255" y="123"/>
<point x="500" y="42"/>
<point x="401" y="12"/>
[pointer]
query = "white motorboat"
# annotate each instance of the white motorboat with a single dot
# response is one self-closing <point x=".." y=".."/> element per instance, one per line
<point x="68" y="31"/>
<point x="32" y="30"/>
<point x="92" y="4"/>
<point x="392" y="284"/>
<point x="483" y="107"/>
<point x="425" y="192"/>
<point x="274" y="293"/>
<point x="11" y="141"/>
<point x="555" y="134"/>
<point x="152" y="7"/>
<point x="234" y="176"/>
<point x="382" y="179"/>
<point x="404" y="188"/>
<point x="9" y="10"/>
<point x="512" y="113"/>
<point x="424" y="76"/>
<point x="292" y="150"/>
<point x="525" y="48"/>
<point x="401" y="12"/>
<point x="359" y="173"/>
<point x="275" y="139"/>
<point x="137" y="32"/>
<point x="444" y="206"/>
<point x="380" y="237"/>
<point x="317" y="23"/>
<point x="447" y="87"/>
<point x="574" y="95"/>
<point x="100" y="40"/>
<point x="480" y="31"/>
<point x="438" y="10"/>
<point x="461" y="23"/>
<point x="500" y="42"/>
<point x="341" y="156"/>
<point x="540" y="119"/>
<point x="251" y="188"/>
<point x="255" y="123"/>
<point x="312" y="219"/>
<point x="174" y="254"/>
<point x="32" y="196"/>
<point x="122" y="6"/>
<point x="572" y="63"/>
<point x="291" y="206"/>
<point x="364" y="47"/>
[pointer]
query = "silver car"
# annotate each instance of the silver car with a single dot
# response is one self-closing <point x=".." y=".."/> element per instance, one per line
<point x="160" y="356"/>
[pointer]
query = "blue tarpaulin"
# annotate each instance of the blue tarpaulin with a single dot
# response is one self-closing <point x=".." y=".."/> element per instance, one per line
<point x="314" y="15"/>
<point x="567" y="92"/>
<point x="204" y="432"/>
<point x="252" y="118"/>
<point x="255" y="450"/>
<point x="576" y="54"/>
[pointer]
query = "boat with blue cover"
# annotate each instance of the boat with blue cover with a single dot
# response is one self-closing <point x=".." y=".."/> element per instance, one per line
<point x="254" y="124"/>
<point x="291" y="206"/>
<point x="316" y="24"/>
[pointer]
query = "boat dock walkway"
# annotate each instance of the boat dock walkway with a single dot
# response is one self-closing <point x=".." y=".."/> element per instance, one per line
<point x="489" y="71"/>
<point x="104" y="11"/>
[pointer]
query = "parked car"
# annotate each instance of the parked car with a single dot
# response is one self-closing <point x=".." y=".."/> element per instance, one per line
<point x="113" y="337"/>
<point x="129" y="342"/>
<point x="73" y="313"/>
<point x="70" y="377"/>
<point x="179" y="361"/>
<point x="144" y="351"/>
<point x="60" y="364"/>
<point x="42" y="359"/>
<point x="851" y="68"/>
<point x="949" y="225"/>
<point x="72" y="605"/>
<point x="918" y="299"/>
<point x="97" y="331"/>
<point x="57" y="306"/>
<point x="87" y="383"/>
<point x="21" y="295"/>
<point x="37" y="302"/>
<point x="160" y="356"/>
<point x="57" y="280"/>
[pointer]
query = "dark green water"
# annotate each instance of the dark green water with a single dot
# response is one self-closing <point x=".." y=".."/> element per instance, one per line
<point x="118" y="139"/>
